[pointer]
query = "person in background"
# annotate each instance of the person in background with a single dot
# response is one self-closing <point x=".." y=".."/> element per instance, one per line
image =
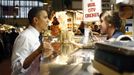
<point x="55" y="29"/>
<point x="125" y="12"/>
<point x="110" y="24"/>
<point x="88" y="40"/>
<point x="13" y="36"/>
<point x="96" y="29"/>
<point x="81" y="27"/>
<point x="27" y="48"/>
<point x="7" y="43"/>
<point x="55" y="35"/>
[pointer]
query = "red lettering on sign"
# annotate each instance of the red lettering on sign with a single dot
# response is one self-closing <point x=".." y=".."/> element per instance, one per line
<point x="91" y="4"/>
<point x="91" y="9"/>
<point x="92" y="15"/>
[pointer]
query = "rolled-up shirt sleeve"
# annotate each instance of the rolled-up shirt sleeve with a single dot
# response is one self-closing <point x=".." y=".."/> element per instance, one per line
<point x="18" y="67"/>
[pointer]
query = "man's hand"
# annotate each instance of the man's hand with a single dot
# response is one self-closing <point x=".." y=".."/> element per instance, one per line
<point x="47" y="49"/>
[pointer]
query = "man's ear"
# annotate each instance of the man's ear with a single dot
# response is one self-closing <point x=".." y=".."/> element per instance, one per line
<point x="35" y="19"/>
<point x="109" y="25"/>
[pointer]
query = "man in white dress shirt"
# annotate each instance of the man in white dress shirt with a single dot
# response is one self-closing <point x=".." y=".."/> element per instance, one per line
<point x="27" y="48"/>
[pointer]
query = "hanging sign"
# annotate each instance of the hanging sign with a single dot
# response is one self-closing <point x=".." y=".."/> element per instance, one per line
<point x="92" y="10"/>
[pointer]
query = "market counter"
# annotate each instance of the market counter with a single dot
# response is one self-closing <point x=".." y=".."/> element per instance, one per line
<point x="114" y="58"/>
<point x="105" y="70"/>
<point x="71" y="66"/>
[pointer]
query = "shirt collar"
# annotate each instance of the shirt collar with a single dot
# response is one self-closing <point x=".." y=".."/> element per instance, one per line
<point x="34" y="30"/>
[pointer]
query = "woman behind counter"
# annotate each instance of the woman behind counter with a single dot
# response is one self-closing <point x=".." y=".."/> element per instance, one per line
<point x="110" y="24"/>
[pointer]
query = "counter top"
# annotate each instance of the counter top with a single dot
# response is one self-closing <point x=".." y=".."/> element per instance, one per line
<point x="65" y="68"/>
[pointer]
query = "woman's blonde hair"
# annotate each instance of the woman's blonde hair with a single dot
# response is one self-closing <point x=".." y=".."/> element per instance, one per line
<point x="112" y="18"/>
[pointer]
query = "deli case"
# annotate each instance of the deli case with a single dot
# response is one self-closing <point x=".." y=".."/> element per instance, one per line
<point x="114" y="58"/>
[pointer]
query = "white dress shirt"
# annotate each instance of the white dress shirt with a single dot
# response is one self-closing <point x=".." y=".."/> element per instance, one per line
<point x="26" y="43"/>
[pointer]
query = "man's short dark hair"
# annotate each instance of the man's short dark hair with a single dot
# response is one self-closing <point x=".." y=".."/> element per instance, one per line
<point x="33" y="13"/>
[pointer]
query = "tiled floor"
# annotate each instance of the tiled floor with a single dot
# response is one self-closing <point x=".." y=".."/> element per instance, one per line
<point x="5" y="67"/>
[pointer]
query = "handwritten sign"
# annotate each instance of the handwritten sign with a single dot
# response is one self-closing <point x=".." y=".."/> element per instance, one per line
<point x="91" y="9"/>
